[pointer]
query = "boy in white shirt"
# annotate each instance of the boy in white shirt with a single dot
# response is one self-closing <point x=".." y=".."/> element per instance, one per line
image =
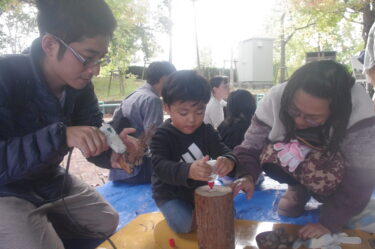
<point x="214" y="111"/>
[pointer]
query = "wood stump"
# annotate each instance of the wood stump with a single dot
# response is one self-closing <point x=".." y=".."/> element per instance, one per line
<point x="214" y="217"/>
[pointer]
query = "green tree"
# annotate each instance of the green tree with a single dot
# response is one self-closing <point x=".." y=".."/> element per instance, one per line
<point x="331" y="12"/>
<point x="134" y="33"/>
<point x="305" y="29"/>
<point x="18" y="25"/>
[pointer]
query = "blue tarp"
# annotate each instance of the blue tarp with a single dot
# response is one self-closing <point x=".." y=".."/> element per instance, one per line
<point x="132" y="200"/>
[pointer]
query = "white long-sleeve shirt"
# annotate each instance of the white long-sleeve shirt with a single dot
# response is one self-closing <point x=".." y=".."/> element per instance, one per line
<point x="214" y="114"/>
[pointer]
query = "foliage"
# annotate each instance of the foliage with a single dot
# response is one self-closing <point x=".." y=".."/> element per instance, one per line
<point x="330" y="13"/>
<point x="317" y="25"/>
<point x="18" y="25"/>
<point x="133" y="34"/>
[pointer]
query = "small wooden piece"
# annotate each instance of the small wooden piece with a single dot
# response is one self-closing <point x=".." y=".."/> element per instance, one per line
<point x="214" y="216"/>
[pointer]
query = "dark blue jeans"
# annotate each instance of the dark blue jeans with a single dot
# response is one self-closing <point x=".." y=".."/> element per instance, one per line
<point x="179" y="215"/>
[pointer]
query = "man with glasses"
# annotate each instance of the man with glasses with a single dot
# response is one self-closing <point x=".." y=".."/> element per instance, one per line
<point x="47" y="107"/>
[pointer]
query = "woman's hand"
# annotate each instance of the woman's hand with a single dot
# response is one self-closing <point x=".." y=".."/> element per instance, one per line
<point x="246" y="184"/>
<point x="311" y="231"/>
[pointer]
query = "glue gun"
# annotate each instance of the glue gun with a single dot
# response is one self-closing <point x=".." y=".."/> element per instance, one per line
<point x="113" y="139"/>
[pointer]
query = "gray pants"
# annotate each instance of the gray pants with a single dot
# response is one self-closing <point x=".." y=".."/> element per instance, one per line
<point x="25" y="226"/>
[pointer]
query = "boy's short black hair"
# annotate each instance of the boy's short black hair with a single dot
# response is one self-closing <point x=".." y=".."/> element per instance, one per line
<point x="217" y="80"/>
<point x="186" y="85"/>
<point x="73" y="20"/>
<point x="158" y="69"/>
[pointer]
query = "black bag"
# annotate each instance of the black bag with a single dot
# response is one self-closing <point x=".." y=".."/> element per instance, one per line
<point x="119" y="121"/>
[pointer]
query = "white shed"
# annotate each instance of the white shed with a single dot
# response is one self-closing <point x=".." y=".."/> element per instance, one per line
<point x="255" y="62"/>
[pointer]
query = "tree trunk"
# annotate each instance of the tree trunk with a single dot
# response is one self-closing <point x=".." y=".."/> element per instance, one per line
<point x="214" y="215"/>
<point x="368" y="19"/>
<point x="144" y="68"/>
<point x="170" y="34"/>
<point x="122" y="83"/>
<point x="196" y="37"/>
<point x="282" y="51"/>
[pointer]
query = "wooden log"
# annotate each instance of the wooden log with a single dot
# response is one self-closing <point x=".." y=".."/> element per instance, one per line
<point x="214" y="217"/>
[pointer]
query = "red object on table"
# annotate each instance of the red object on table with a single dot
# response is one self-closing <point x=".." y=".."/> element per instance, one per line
<point x="211" y="184"/>
<point x="172" y="243"/>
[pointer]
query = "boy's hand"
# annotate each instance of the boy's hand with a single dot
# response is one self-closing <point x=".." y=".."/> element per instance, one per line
<point x="246" y="184"/>
<point x="88" y="139"/>
<point x="134" y="150"/>
<point x="200" y="170"/>
<point x="224" y="166"/>
<point x="311" y="231"/>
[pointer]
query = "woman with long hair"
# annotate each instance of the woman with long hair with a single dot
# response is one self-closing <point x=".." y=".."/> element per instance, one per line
<point x="315" y="133"/>
<point x="240" y="109"/>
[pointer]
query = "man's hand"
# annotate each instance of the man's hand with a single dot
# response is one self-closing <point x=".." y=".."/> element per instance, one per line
<point x="88" y="139"/>
<point x="200" y="170"/>
<point x="246" y="184"/>
<point x="224" y="166"/>
<point x="310" y="231"/>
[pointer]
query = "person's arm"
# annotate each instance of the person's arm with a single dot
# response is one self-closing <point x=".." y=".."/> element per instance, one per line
<point x="23" y="157"/>
<point x="167" y="170"/>
<point x="152" y="111"/>
<point x="358" y="183"/>
<point x="249" y="150"/>
<point x="87" y="113"/>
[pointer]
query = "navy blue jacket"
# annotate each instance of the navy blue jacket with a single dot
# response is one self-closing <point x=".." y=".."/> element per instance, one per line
<point x="32" y="128"/>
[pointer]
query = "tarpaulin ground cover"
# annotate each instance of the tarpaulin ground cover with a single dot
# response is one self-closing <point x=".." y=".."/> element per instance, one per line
<point x="132" y="200"/>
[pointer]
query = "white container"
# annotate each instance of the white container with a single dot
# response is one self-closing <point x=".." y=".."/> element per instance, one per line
<point x="213" y="176"/>
<point x="255" y="61"/>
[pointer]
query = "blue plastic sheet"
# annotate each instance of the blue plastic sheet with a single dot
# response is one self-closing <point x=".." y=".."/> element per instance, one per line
<point x="132" y="200"/>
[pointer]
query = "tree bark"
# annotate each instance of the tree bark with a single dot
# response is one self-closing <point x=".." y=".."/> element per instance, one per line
<point x="214" y="216"/>
<point x="368" y="19"/>
<point x="282" y="51"/>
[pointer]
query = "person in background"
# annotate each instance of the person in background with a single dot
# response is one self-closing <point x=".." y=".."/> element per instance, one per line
<point x="182" y="146"/>
<point x="316" y="133"/>
<point x="215" y="108"/>
<point x="144" y="111"/>
<point x="47" y="108"/>
<point x="240" y="109"/>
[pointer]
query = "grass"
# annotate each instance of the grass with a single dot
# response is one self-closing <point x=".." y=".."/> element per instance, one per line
<point x="101" y="85"/>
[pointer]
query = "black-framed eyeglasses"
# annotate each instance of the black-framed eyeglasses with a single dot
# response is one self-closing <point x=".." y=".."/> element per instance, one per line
<point x="85" y="62"/>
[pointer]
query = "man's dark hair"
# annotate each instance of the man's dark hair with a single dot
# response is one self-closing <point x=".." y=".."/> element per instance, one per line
<point x="217" y="80"/>
<point x="325" y="80"/>
<point x="158" y="69"/>
<point x="73" y="20"/>
<point x="186" y="85"/>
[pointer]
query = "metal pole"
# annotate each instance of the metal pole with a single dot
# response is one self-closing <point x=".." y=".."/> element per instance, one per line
<point x="196" y="36"/>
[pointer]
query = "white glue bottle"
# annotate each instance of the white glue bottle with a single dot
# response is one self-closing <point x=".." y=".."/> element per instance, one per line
<point x="213" y="175"/>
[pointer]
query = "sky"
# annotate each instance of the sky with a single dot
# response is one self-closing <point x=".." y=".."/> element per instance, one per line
<point x="221" y="25"/>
